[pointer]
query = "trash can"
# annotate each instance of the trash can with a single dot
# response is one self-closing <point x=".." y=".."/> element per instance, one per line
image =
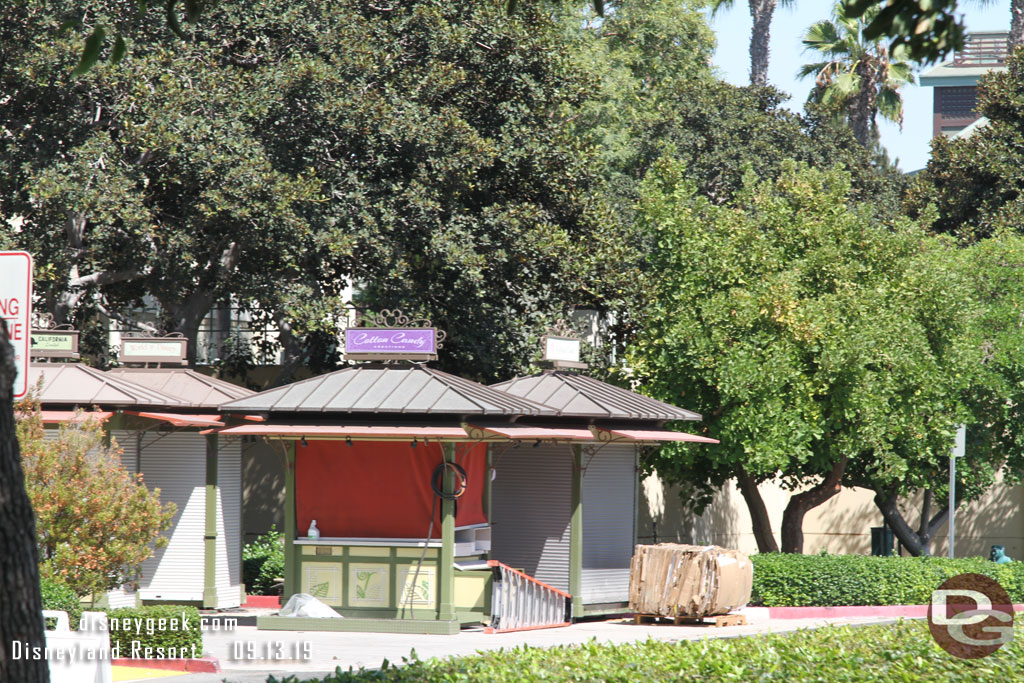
<point x="882" y="540"/>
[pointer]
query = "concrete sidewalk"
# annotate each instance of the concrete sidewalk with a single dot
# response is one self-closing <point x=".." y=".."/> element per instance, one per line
<point x="249" y="656"/>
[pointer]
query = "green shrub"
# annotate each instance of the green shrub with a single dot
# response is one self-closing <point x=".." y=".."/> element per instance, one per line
<point x="171" y="631"/>
<point x="263" y="562"/>
<point x="903" y="651"/>
<point x="59" y="596"/>
<point x="783" y="580"/>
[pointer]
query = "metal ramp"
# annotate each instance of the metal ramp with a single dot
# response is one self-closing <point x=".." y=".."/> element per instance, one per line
<point x="521" y="603"/>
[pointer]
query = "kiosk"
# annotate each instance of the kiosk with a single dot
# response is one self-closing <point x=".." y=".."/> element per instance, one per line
<point x="440" y="502"/>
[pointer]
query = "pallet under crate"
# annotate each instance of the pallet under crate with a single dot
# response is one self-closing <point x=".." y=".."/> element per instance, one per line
<point x="719" y="621"/>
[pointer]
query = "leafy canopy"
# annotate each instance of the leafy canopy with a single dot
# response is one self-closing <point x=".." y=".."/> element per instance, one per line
<point x="974" y="184"/>
<point x="803" y="329"/>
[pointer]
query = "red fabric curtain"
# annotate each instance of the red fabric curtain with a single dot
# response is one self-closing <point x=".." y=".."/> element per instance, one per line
<point x="380" y="489"/>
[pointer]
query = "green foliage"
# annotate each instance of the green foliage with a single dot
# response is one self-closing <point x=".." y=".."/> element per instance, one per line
<point x="648" y="106"/>
<point x="787" y="580"/>
<point x="288" y="151"/>
<point x="263" y="562"/>
<point x="921" y="30"/>
<point x="803" y="329"/>
<point x="904" y="651"/>
<point x="59" y="596"/>
<point x="994" y="268"/>
<point x="174" y="628"/>
<point x="971" y="187"/>
<point x="96" y="522"/>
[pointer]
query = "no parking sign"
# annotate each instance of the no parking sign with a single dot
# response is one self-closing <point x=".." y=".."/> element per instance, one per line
<point x="16" y="309"/>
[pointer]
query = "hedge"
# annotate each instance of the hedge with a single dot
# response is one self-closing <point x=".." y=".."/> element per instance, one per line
<point x="784" y="580"/>
<point x="903" y="652"/>
<point x="59" y="596"/>
<point x="168" y="631"/>
<point x="263" y="562"/>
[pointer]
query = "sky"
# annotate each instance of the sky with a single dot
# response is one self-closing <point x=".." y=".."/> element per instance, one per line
<point x="910" y="145"/>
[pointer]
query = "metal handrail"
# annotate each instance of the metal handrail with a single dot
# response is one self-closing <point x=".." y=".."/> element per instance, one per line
<point x="982" y="49"/>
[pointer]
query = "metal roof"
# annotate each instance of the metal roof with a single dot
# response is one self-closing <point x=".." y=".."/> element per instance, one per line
<point x="194" y="389"/>
<point x="571" y="394"/>
<point x="384" y="389"/>
<point x="75" y="384"/>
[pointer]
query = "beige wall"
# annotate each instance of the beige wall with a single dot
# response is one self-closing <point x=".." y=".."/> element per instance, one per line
<point x="840" y="526"/>
<point x="262" y="487"/>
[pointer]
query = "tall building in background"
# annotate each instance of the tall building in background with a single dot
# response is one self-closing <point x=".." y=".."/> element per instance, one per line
<point x="956" y="81"/>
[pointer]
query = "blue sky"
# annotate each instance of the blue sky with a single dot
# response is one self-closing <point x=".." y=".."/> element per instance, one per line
<point x="910" y="146"/>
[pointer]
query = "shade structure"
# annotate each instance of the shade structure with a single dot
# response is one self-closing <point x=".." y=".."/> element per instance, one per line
<point x="370" y="433"/>
<point x="516" y="432"/>
<point x="74" y="384"/>
<point x="650" y="435"/>
<point x="180" y="419"/>
<point x="570" y="394"/>
<point x="195" y="389"/>
<point x="383" y="390"/>
<point x="73" y="416"/>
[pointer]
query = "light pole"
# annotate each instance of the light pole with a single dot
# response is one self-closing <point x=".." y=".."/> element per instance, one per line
<point x="957" y="451"/>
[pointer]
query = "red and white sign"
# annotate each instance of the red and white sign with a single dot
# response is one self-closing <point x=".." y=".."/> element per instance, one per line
<point x="16" y="309"/>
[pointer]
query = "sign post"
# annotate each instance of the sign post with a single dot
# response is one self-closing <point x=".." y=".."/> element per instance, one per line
<point x="16" y="310"/>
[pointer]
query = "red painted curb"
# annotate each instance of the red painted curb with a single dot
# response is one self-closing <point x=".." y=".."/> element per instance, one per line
<point x="908" y="611"/>
<point x="262" y="601"/>
<point x="204" y="665"/>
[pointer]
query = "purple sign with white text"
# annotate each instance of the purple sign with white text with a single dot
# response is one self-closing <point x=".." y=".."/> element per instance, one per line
<point x="417" y="340"/>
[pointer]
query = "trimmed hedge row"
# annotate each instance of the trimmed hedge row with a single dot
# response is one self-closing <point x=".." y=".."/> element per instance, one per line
<point x="58" y="596"/>
<point x="783" y="580"/>
<point x="901" y="652"/>
<point x="156" y="631"/>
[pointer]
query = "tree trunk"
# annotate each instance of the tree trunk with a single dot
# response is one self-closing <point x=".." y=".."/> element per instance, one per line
<point x="21" y="616"/>
<point x="758" y="513"/>
<point x="1016" y="36"/>
<point x="67" y="300"/>
<point x="801" y="503"/>
<point x="917" y="543"/>
<point x="864" y="106"/>
<point x="760" y="34"/>
<point x="294" y="354"/>
<point x="186" y="316"/>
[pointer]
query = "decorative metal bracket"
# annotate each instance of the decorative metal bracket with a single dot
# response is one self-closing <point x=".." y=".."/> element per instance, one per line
<point x="50" y="340"/>
<point x="391" y="318"/>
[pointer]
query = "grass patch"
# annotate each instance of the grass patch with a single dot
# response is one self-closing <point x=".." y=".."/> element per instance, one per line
<point x="903" y="651"/>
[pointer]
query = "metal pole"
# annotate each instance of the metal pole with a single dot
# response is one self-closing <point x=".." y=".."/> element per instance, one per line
<point x="957" y="451"/>
<point x="952" y="502"/>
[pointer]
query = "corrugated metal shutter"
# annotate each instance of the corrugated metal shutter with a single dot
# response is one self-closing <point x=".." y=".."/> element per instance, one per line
<point x="128" y="442"/>
<point x="119" y="597"/>
<point x="530" y="510"/>
<point x="176" y="464"/>
<point x="229" y="523"/>
<point x="609" y="511"/>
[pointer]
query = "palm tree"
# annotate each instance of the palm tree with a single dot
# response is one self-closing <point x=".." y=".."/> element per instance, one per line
<point x="1016" y="36"/>
<point x="857" y="78"/>
<point x="761" y="12"/>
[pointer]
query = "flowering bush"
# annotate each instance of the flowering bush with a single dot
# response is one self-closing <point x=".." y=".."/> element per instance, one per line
<point x="96" y="522"/>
